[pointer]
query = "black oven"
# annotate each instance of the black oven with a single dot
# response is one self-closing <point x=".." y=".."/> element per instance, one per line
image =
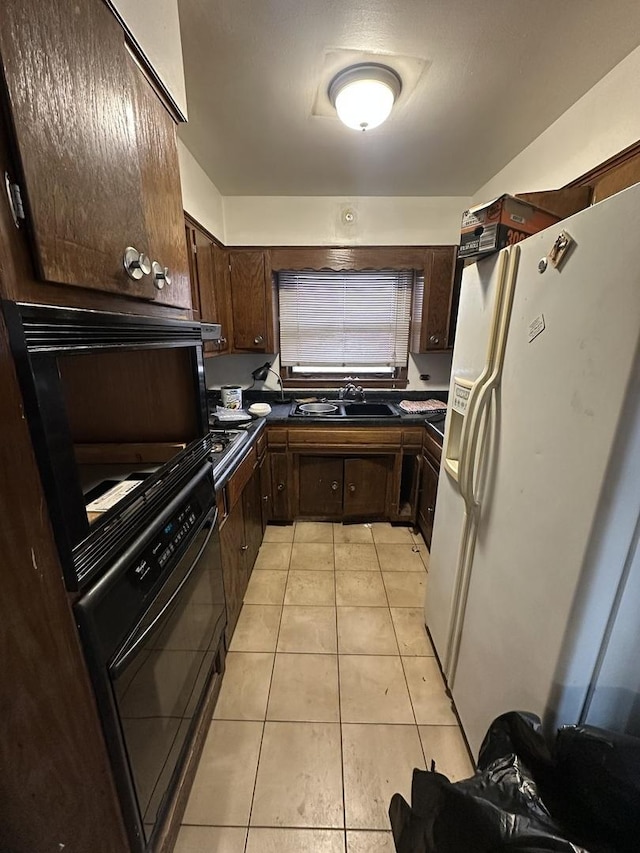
<point x="152" y="629"/>
<point x="116" y="406"/>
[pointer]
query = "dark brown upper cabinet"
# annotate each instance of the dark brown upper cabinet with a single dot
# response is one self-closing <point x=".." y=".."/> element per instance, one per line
<point x="433" y="332"/>
<point x="208" y="271"/>
<point x="251" y="299"/>
<point x="96" y="150"/>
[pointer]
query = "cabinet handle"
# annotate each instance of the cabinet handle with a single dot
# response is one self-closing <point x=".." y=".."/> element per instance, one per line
<point x="351" y="487"/>
<point x="334" y="486"/>
<point x="265" y="497"/>
<point x="281" y="487"/>
<point x="244" y="548"/>
<point x="161" y="275"/>
<point x="222" y="342"/>
<point x="258" y="339"/>
<point x="430" y="510"/>
<point x="136" y="263"/>
<point x="434" y="339"/>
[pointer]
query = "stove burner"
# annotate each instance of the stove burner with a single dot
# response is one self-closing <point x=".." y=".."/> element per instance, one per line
<point x="222" y="439"/>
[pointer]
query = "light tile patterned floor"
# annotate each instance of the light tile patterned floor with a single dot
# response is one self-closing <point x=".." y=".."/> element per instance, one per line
<point x="331" y="696"/>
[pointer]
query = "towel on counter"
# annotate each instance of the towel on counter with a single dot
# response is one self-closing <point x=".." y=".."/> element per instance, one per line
<point x="418" y="406"/>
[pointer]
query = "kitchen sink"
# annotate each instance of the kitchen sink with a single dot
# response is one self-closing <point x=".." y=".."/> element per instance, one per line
<point x="340" y="409"/>
<point x="369" y="410"/>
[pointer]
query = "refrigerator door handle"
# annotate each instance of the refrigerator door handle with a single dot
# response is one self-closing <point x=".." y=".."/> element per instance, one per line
<point x="482" y="396"/>
<point x="474" y="439"/>
<point x="468" y="444"/>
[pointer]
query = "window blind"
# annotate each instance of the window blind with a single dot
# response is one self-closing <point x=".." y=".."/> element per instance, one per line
<point x="349" y="318"/>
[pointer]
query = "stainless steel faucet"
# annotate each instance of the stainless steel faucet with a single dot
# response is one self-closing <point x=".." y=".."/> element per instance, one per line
<point x="351" y="392"/>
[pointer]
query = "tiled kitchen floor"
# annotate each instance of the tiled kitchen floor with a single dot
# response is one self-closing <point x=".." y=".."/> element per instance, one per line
<point x="331" y="697"/>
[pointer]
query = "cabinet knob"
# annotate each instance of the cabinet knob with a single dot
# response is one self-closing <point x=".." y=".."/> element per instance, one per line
<point x="434" y="339"/>
<point x="430" y="510"/>
<point x="351" y="487"/>
<point x="334" y="486"/>
<point x="259" y="339"/>
<point x="265" y="498"/>
<point x="161" y="275"/>
<point x="244" y="548"/>
<point x="222" y="342"/>
<point x="281" y="487"/>
<point x="136" y="263"/>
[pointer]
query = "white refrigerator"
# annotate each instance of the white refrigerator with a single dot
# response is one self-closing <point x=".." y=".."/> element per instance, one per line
<point x="532" y="593"/>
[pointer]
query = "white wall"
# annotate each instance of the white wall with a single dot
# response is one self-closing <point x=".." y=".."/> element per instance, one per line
<point x="155" y="26"/>
<point x="236" y="370"/>
<point x="200" y="196"/>
<point x="319" y="220"/>
<point x="603" y="122"/>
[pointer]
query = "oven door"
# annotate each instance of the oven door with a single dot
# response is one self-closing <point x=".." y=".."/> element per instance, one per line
<point x="152" y="632"/>
<point x="161" y="673"/>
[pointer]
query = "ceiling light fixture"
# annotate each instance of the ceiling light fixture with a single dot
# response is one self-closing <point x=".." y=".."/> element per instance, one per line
<point x="364" y="94"/>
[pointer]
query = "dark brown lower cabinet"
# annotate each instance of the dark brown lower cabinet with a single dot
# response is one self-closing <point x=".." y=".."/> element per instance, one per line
<point x="240" y="540"/>
<point x="252" y="511"/>
<point x="321" y="483"/>
<point x="234" y="569"/>
<point x="427" y="501"/>
<point x="335" y="487"/>
<point x="280" y="486"/>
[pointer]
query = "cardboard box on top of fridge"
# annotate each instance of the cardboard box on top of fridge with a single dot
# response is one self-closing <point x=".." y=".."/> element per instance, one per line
<point x="504" y="221"/>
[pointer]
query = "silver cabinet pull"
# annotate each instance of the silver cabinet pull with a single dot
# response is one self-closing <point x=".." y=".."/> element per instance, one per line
<point x="434" y="339"/>
<point x="222" y="342"/>
<point x="281" y="487"/>
<point x="244" y="548"/>
<point x="136" y="263"/>
<point x="265" y="497"/>
<point x="352" y="487"/>
<point x="334" y="486"/>
<point x="258" y="339"/>
<point x="161" y="275"/>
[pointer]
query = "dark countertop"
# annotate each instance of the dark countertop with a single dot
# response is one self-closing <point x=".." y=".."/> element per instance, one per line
<point x="279" y="415"/>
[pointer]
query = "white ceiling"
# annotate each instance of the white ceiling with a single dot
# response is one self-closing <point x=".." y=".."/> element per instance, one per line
<point x="483" y="78"/>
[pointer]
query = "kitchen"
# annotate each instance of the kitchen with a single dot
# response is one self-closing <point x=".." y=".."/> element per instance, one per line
<point x="53" y="742"/>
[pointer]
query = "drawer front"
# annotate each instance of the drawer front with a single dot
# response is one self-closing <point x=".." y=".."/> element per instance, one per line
<point x="412" y="436"/>
<point x="366" y="440"/>
<point x="239" y="480"/>
<point x="277" y="436"/>
<point x="432" y="448"/>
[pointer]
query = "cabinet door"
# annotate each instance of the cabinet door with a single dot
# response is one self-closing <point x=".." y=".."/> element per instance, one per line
<point x="437" y="306"/>
<point x="252" y="511"/>
<point x="427" y="501"/>
<point x="190" y="237"/>
<point x="72" y="110"/>
<point x="251" y="331"/>
<point x="264" y="468"/>
<point x="280" y="486"/>
<point x="161" y="196"/>
<point x="366" y="486"/>
<point x="234" y="570"/>
<point x="320" y="481"/>
<point x="221" y="296"/>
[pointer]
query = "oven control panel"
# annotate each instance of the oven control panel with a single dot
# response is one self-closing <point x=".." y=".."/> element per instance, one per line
<point x="150" y="564"/>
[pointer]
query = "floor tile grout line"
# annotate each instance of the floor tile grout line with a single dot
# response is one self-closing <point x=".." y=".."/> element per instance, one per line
<point x="264" y="722"/>
<point x="404" y="675"/>
<point x="342" y="775"/>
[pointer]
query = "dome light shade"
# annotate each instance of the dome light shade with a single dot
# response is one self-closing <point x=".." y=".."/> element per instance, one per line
<point x="364" y="95"/>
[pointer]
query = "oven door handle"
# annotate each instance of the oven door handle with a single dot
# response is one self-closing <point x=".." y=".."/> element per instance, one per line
<point x="129" y="650"/>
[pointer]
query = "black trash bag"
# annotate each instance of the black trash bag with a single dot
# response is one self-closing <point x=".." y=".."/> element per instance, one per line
<point x="598" y="775"/>
<point x="503" y="807"/>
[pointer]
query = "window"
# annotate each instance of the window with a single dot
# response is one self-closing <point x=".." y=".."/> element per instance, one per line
<point x="346" y="325"/>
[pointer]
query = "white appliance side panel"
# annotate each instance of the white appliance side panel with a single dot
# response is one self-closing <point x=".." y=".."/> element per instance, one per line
<point x="469" y="355"/>
<point x="557" y="413"/>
